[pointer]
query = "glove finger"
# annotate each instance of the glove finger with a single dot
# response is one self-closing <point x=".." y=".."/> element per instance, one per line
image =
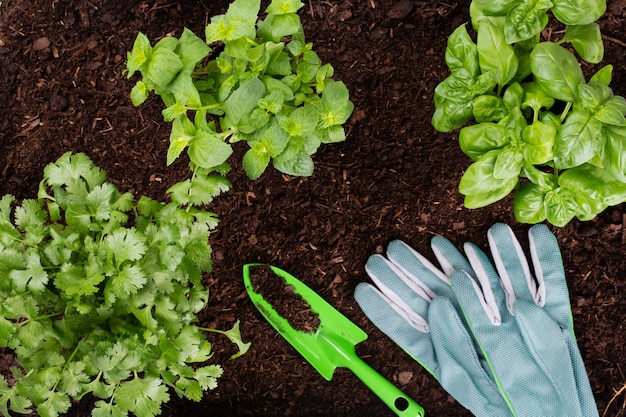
<point x="553" y="294"/>
<point x="550" y="350"/>
<point x="413" y="300"/>
<point x="585" y="394"/>
<point x="489" y="292"/>
<point x="449" y="256"/>
<point x="512" y="265"/>
<point x="392" y="323"/>
<point x="463" y="371"/>
<point x="416" y="267"/>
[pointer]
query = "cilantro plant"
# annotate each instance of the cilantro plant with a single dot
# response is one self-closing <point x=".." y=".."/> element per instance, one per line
<point x="99" y="296"/>
<point x="537" y="125"/>
<point x="255" y="80"/>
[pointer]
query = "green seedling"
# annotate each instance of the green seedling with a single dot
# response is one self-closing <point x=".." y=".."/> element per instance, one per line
<point x="100" y="294"/>
<point x="253" y="80"/>
<point x="539" y="127"/>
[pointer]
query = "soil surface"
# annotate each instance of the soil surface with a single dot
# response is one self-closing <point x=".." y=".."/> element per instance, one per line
<point x="62" y="88"/>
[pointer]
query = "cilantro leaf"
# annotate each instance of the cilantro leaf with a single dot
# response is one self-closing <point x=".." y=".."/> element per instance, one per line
<point x="142" y="396"/>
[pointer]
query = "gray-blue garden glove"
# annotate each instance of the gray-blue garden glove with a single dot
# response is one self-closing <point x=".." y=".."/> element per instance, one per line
<point x="412" y="302"/>
<point x="523" y="324"/>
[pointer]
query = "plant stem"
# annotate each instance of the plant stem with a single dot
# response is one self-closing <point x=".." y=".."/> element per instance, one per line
<point x="568" y="106"/>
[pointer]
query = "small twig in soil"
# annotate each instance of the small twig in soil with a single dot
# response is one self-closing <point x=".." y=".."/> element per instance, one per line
<point x="614" y="40"/>
<point x="617" y="394"/>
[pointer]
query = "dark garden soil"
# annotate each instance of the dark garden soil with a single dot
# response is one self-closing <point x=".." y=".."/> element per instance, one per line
<point x="62" y="88"/>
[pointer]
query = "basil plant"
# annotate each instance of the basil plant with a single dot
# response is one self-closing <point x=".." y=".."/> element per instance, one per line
<point x="529" y="119"/>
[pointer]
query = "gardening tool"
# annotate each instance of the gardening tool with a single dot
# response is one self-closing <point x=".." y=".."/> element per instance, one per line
<point x="331" y="345"/>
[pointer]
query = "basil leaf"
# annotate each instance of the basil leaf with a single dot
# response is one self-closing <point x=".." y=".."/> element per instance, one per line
<point x="578" y="12"/>
<point x="477" y="140"/>
<point x="461" y="52"/>
<point x="528" y="204"/>
<point x="556" y="71"/>
<point x="561" y="206"/>
<point x="539" y="141"/>
<point x="478" y="181"/>
<point x="614" y="153"/>
<point x="578" y="140"/>
<point x="526" y="20"/>
<point x="586" y="40"/>
<point x="495" y="54"/>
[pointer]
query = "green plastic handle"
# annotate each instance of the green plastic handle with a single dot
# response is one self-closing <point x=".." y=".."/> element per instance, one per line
<point x="400" y="403"/>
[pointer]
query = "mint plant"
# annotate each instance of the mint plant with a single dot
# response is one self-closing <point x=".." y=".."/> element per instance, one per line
<point x="538" y="126"/>
<point x="255" y="80"/>
<point x="100" y="295"/>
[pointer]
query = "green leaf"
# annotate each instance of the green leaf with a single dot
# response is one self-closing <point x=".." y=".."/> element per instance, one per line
<point x="479" y="184"/>
<point x="139" y="93"/>
<point x="496" y="7"/>
<point x="163" y="66"/>
<point x="578" y="140"/>
<point x="284" y="6"/>
<point x="508" y="163"/>
<point x="488" y="108"/>
<point x="256" y="160"/>
<point x="242" y="101"/>
<point x="139" y="55"/>
<point x="603" y="75"/>
<point x="536" y="98"/>
<point x="34" y="277"/>
<point x="594" y="184"/>
<point x="556" y="71"/>
<point x="301" y="122"/>
<point x="614" y="153"/>
<point x="142" y="396"/>
<point x="277" y="26"/>
<point x="578" y="12"/>
<point x="477" y="140"/>
<point x="239" y="21"/>
<point x="461" y="52"/>
<point x="125" y="245"/>
<point x="539" y="139"/>
<point x="561" y="206"/>
<point x="208" y="150"/>
<point x="335" y="107"/>
<point x="586" y="40"/>
<point x="528" y="204"/>
<point x="294" y="162"/>
<point x="526" y="20"/>
<point x="207" y="376"/>
<point x="72" y="167"/>
<point x="191" y="50"/>
<point x="183" y="132"/>
<point x="495" y="54"/>
<point x="56" y="403"/>
<point x="10" y="399"/>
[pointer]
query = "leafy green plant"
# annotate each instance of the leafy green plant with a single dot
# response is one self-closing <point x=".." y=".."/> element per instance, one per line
<point x="99" y="296"/>
<point x="538" y="126"/>
<point x="262" y="84"/>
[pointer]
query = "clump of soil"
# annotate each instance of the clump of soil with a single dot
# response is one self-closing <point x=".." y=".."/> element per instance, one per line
<point x="287" y="303"/>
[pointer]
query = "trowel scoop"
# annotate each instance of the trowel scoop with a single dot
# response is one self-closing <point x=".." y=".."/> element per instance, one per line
<point x="331" y="344"/>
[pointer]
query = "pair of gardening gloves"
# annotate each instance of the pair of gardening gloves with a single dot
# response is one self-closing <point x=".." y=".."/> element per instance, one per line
<point x="498" y="339"/>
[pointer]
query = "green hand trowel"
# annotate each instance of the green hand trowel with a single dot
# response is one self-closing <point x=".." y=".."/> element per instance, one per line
<point x="332" y="344"/>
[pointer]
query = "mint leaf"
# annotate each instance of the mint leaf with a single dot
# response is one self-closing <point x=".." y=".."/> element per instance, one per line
<point x="208" y="150"/>
<point x="239" y="21"/>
